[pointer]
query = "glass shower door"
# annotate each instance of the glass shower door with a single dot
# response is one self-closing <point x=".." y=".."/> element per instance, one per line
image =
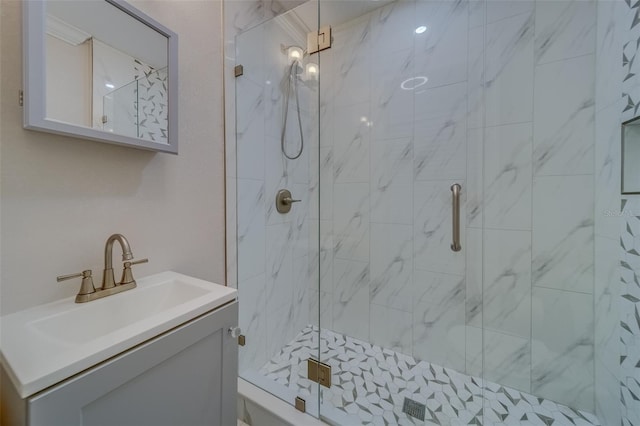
<point x="397" y="126"/>
<point x="497" y="97"/>
<point x="120" y="110"/>
<point x="276" y="133"/>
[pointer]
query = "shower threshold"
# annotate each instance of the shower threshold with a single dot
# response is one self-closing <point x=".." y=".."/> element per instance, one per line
<point x="370" y="384"/>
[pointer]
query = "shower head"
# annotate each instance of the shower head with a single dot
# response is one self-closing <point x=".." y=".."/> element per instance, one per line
<point x="294" y="53"/>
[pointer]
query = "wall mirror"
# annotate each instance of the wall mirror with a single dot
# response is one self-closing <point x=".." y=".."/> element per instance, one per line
<point x="631" y="156"/>
<point x="100" y="70"/>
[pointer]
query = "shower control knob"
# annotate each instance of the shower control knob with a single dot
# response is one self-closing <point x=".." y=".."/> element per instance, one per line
<point x="284" y="201"/>
<point x="235" y="332"/>
<point x="288" y="200"/>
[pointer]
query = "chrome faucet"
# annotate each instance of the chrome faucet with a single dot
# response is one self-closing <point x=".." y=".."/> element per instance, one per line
<point x="88" y="292"/>
<point x="107" y="275"/>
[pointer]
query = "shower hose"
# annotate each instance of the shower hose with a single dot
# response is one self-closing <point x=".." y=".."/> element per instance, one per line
<point x="292" y="76"/>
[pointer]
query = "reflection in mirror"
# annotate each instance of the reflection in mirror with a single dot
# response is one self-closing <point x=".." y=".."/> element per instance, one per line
<point x="631" y="156"/>
<point x="105" y="70"/>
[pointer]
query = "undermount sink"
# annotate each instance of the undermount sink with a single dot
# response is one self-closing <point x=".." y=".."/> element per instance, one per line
<point x="46" y="344"/>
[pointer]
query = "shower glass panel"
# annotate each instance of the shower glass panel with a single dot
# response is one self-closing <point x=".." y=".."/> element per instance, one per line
<point x="398" y="106"/>
<point x="121" y="110"/>
<point x="276" y="135"/>
<point x="535" y="151"/>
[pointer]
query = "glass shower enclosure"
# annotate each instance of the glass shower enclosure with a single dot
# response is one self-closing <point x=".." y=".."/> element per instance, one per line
<point x="441" y="265"/>
<point x="139" y="108"/>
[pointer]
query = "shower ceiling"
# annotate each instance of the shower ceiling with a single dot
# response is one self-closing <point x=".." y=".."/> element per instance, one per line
<point x="332" y="12"/>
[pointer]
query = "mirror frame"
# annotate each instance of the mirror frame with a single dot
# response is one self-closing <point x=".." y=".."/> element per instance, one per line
<point x="34" y="74"/>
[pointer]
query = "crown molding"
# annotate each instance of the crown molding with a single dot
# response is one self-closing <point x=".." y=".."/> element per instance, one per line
<point x="60" y="29"/>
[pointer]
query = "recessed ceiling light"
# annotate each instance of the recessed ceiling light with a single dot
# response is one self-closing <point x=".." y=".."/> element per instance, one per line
<point x="109" y="85"/>
<point x="421" y="29"/>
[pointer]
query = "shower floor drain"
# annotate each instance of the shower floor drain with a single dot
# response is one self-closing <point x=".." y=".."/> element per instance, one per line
<point x="413" y="409"/>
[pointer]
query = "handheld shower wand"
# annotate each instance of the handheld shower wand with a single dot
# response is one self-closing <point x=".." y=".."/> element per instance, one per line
<point x="292" y="80"/>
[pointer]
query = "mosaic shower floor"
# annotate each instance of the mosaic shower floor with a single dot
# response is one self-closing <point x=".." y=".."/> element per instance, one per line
<point x="370" y="383"/>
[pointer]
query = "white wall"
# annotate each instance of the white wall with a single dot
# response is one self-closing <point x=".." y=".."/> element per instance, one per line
<point x="68" y="81"/>
<point x="62" y="197"/>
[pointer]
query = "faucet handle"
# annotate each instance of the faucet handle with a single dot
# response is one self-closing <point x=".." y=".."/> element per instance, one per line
<point x="136" y="262"/>
<point x="87" y="282"/>
<point x="68" y="277"/>
<point x="127" y="275"/>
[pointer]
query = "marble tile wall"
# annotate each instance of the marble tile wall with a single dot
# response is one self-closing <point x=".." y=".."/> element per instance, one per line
<point x="629" y="229"/>
<point x="629" y="306"/>
<point x="152" y="102"/>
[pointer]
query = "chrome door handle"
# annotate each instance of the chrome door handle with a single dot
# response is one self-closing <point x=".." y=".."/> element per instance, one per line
<point x="455" y="212"/>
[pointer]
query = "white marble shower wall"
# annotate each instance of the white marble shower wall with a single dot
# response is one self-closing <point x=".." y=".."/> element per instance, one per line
<point x="500" y="98"/>
<point x="273" y="248"/>
<point x="621" y="225"/>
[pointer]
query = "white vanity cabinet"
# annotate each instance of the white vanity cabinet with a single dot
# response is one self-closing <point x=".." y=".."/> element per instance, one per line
<point x="185" y="376"/>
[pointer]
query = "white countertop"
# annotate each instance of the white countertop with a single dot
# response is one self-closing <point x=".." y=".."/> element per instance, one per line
<point x="44" y="345"/>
